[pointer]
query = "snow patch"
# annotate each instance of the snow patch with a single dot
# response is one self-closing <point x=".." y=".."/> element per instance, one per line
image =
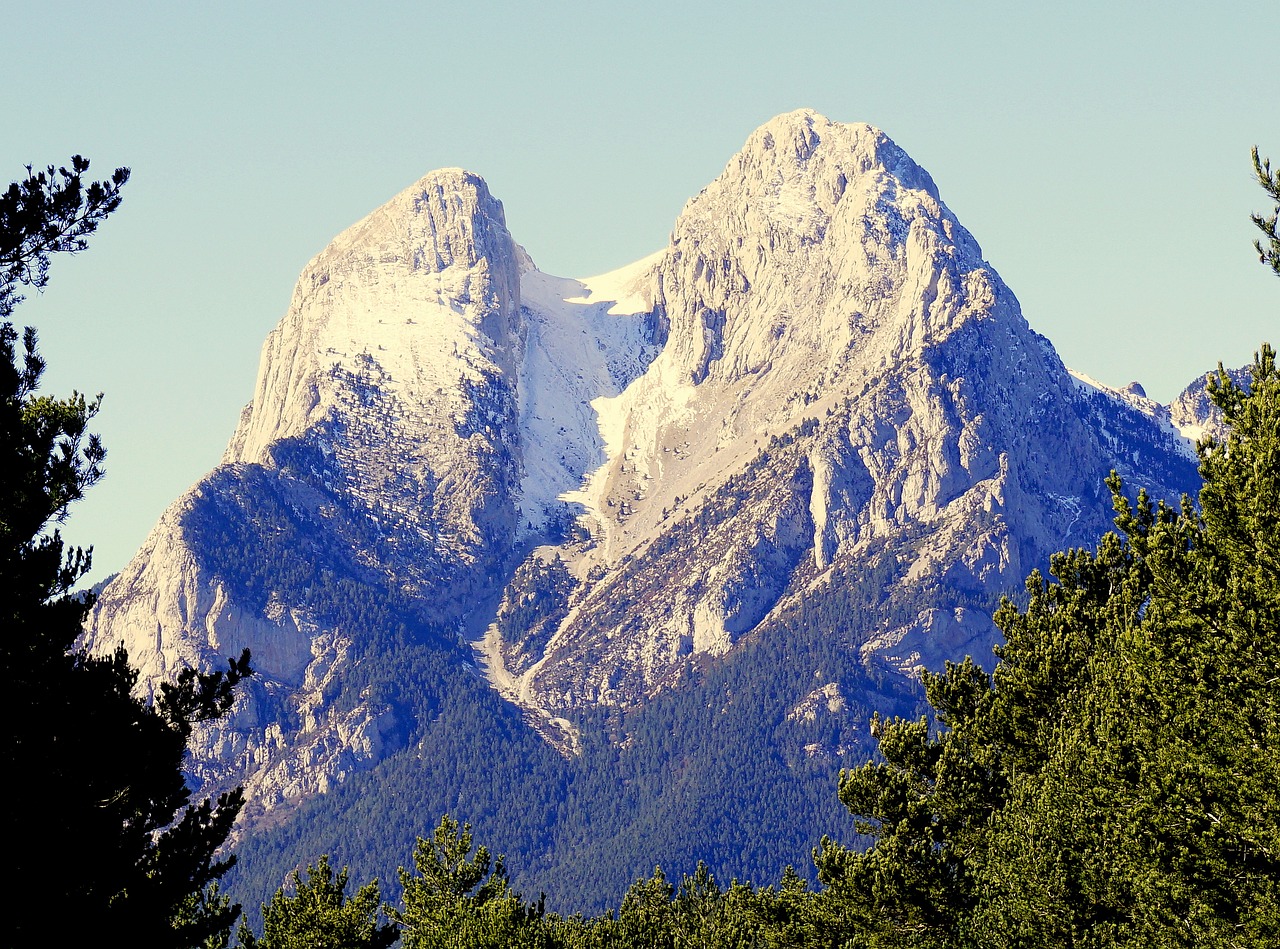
<point x="585" y="341"/>
<point x="1136" y="399"/>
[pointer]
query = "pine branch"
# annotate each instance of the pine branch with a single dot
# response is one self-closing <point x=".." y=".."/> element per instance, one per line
<point x="1270" y="181"/>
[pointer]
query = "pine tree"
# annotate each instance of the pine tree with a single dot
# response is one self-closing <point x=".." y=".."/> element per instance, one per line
<point x="319" y="914"/>
<point x="104" y="840"/>
<point x="1268" y="253"/>
<point x="457" y="899"/>
<point x="924" y="807"/>
<point x="1118" y="782"/>
<point x="1154" y="820"/>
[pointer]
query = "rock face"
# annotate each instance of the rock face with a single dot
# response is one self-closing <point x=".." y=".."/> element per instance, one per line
<point x="1195" y="416"/>
<point x="843" y="371"/>
<point x="601" y="481"/>
<point x="380" y="444"/>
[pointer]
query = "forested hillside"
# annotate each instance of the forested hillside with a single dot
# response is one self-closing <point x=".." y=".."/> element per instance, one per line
<point x="603" y="816"/>
<point x="1112" y="782"/>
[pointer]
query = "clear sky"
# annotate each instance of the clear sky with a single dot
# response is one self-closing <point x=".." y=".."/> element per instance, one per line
<point x="1098" y="151"/>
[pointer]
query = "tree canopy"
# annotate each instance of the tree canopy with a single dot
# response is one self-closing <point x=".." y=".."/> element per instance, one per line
<point x="106" y="838"/>
<point x="319" y="914"/>
<point x="1116" y="780"/>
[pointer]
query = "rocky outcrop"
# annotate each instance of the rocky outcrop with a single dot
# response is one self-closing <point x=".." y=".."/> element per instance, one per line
<point x="843" y="370"/>
<point x="1195" y="416"/>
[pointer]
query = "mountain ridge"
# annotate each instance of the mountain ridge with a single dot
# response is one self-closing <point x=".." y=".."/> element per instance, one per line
<point x="816" y="424"/>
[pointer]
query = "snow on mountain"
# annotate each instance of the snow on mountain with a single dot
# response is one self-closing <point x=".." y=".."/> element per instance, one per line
<point x="758" y="295"/>
<point x="1185" y="431"/>
<point x="1195" y="416"/>
<point x="584" y="340"/>
<point x="419" y="410"/>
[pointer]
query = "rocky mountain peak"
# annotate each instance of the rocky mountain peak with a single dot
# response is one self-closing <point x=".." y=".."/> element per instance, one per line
<point x="808" y="217"/>
<point x="447" y="218"/>
<point x="818" y="260"/>
<point x="424" y="293"/>
<point x="794" y="139"/>
<point x="378" y="449"/>
<point x="1194" y="413"/>
<point x="819" y="387"/>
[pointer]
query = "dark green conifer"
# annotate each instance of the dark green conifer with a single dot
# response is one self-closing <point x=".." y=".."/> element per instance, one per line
<point x="1118" y="784"/>
<point x="457" y="899"/>
<point x="104" y="842"/>
<point x="318" y="914"/>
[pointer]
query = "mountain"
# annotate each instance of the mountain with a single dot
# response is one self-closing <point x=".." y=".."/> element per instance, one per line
<point x="618" y="568"/>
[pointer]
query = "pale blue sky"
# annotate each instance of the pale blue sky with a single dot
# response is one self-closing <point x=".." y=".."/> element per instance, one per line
<point x="1098" y="151"/>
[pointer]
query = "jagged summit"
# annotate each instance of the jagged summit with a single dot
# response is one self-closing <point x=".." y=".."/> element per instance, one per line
<point x="808" y="212"/>
<point x="382" y="439"/>
<point x="796" y="137"/>
<point x="819" y="256"/>
<point x="425" y="291"/>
